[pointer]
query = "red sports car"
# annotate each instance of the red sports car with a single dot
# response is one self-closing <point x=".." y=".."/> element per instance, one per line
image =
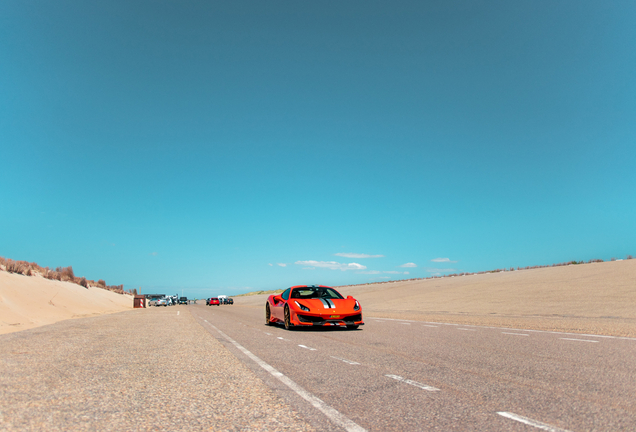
<point x="313" y="305"/>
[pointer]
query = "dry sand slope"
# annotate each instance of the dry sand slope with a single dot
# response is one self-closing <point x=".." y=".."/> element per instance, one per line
<point x="595" y="298"/>
<point x="32" y="301"/>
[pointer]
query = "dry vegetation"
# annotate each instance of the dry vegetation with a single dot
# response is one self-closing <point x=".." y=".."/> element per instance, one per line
<point x="260" y="292"/>
<point x="60" y="273"/>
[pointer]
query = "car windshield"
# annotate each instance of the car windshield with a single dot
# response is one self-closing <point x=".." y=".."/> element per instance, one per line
<point x="315" y="293"/>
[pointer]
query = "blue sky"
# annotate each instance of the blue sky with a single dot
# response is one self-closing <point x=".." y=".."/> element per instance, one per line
<point x="223" y="147"/>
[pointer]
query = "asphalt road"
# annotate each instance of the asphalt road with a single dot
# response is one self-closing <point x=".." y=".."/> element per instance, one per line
<point x="150" y="369"/>
<point x="412" y="376"/>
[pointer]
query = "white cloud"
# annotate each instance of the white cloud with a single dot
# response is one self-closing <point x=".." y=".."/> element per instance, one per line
<point x="443" y="260"/>
<point x="374" y="272"/>
<point x="332" y="265"/>
<point x="270" y="264"/>
<point x="409" y="265"/>
<point x="154" y="254"/>
<point x="406" y="273"/>
<point x="357" y="255"/>
<point x="395" y="272"/>
<point x="281" y="264"/>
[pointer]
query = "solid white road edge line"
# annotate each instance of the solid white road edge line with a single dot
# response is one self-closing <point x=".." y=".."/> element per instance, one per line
<point x="515" y="334"/>
<point x="530" y="422"/>
<point x="333" y="415"/>
<point x="413" y="383"/>
<point x="579" y="340"/>
<point x="466" y="329"/>
<point x="345" y="360"/>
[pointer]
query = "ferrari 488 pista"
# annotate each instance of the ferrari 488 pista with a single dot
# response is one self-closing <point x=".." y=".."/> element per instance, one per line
<point x="313" y="305"/>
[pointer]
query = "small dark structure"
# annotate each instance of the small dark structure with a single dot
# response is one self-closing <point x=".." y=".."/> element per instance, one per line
<point x="139" y="301"/>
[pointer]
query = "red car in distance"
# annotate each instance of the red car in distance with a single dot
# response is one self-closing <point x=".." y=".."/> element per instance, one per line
<point x="313" y="305"/>
<point x="213" y="301"/>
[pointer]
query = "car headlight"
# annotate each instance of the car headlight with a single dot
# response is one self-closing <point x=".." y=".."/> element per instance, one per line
<point x="302" y="307"/>
<point x="357" y="306"/>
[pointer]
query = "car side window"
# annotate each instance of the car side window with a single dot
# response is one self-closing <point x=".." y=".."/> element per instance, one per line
<point x="285" y="294"/>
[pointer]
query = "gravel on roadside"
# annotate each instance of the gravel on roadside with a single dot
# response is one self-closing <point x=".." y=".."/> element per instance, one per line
<point x="141" y="370"/>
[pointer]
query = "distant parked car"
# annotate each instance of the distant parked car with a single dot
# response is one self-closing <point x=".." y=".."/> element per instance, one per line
<point x="230" y="301"/>
<point x="162" y="302"/>
<point x="183" y="300"/>
<point x="214" y="301"/>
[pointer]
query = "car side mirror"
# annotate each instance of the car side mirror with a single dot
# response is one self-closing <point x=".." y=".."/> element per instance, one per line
<point x="278" y="298"/>
<point x="349" y="298"/>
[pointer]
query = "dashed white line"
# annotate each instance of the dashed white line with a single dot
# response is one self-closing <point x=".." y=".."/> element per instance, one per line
<point x="413" y="383"/>
<point x="465" y="329"/>
<point x="530" y="422"/>
<point x="515" y="334"/>
<point x="428" y="325"/>
<point x="306" y="347"/>
<point x="334" y="415"/>
<point x="405" y="323"/>
<point x="579" y="340"/>
<point x="513" y="329"/>
<point x="178" y="312"/>
<point x="345" y="360"/>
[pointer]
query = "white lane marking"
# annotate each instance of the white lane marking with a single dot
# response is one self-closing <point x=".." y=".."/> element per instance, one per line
<point x="579" y="340"/>
<point x="281" y="338"/>
<point x="306" y="347"/>
<point x="508" y="328"/>
<point x="406" y="323"/>
<point x="466" y="329"/>
<point x="333" y="415"/>
<point x="413" y="383"/>
<point x="530" y="422"/>
<point x="178" y="312"/>
<point x="268" y="334"/>
<point x="515" y="334"/>
<point x="345" y="360"/>
<point x="428" y="325"/>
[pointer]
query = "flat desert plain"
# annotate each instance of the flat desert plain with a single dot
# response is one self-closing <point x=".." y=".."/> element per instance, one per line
<point x="598" y="298"/>
<point x="32" y="301"/>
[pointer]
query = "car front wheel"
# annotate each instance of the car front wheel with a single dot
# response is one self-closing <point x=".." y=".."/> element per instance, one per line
<point x="288" y="324"/>
<point x="268" y="315"/>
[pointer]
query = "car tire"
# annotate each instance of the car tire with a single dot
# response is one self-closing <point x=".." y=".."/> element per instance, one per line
<point x="352" y="327"/>
<point x="288" y="323"/>
<point x="268" y="315"/>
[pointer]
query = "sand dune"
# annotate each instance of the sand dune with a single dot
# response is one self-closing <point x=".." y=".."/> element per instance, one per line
<point x="32" y="301"/>
<point x="595" y="298"/>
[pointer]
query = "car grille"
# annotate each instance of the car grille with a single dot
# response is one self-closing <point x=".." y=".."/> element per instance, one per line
<point x="309" y="318"/>
<point x="319" y="320"/>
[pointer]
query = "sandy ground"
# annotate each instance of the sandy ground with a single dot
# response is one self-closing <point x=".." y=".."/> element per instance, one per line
<point x="31" y="301"/>
<point x="597" y="298"/>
